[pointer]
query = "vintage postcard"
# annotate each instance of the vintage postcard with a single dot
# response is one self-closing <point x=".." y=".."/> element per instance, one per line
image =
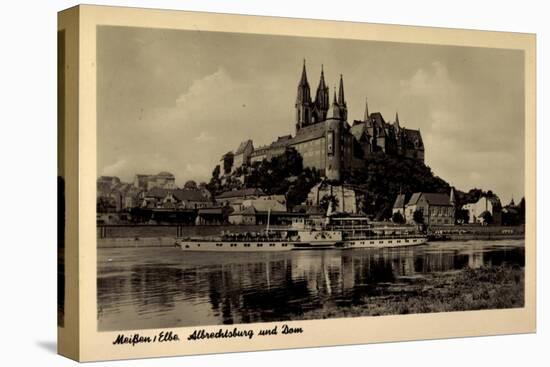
<point x="252" y="183"/>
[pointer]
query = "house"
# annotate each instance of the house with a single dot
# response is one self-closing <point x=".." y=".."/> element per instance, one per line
<point x="436" y="208"/>
<point x="116" y="196"/>
<point x="153" y="198"/>
<point x="211" y="216"/>
<point x="263" y="205"/>
<point x="163" y="180"/>
<point x="399" y="205"/>
<point x="105" y="184"/>
<point x="185" y="199"/>
<point x="485" y="204"/>
<point x="229" y="197"/>
<point x="246" y="216"/>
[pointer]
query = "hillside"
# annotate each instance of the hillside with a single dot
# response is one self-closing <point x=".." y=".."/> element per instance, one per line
<point x="382" y="178"/>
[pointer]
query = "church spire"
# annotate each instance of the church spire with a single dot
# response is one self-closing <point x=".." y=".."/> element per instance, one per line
<point x="341" y="99"/>
<point x="321" y="103"/>
<point x="366" y="109"/>
<point x="397" y="119"/>
<point x="303" y="101"/>
<point x="303" y="80"/>
<point x="452" y="196"/>
<point x="341" y="102"/>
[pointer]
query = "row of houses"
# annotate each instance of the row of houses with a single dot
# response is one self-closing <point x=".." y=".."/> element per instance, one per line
<point x="158" y="198"/>
<point x="439" y="209"/>
<point x="187" y="205"/>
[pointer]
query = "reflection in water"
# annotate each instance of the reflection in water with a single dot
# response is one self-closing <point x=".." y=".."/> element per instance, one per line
<point x="165" y="287"/>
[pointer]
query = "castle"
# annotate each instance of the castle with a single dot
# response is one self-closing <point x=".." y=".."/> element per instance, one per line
<point x="325" y="139"/>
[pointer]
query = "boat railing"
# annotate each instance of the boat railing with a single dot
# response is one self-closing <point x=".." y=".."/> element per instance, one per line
<point x="389" y="237"/>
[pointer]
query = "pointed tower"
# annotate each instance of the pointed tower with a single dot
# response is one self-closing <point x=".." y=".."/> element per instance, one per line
<point x="335" y="107"/>
<point x="303" y="101"/>
<point x="366" y="117"/>
<point x="334" y="141"/>
<point x="321" y="100"/>
<point x="397" y="120"/>
<point x="452" y="199"/>
<point x="342" y="101"/>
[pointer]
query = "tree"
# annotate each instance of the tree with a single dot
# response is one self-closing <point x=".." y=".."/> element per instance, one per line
<point x="327" y="200"/>
<point x="522" y="211"/>
<point x="190" y="185"/>
<point x="397" y="217"/>
<point x="487" y="217"/>
<point x="298" y="191"/>
<point x="418" y="216"/>
<point x="227" y="163"/>
<point x="385" y="176"/>
<point x="462" y="216"/>
<point x="214" y="186"/>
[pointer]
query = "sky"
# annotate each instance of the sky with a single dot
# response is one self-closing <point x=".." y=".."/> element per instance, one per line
<point x="176" y="100"/>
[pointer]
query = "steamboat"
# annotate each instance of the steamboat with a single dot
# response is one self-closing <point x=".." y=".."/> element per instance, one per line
<point x="332" y="232"/>
<point x="269" y="240"/>
<point x="358" y="233"/>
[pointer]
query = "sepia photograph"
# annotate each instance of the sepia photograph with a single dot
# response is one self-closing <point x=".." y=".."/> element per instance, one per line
<point x="247" y="178"/>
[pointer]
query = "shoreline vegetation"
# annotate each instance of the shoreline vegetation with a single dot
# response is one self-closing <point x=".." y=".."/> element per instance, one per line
<point x="483" y="288"/>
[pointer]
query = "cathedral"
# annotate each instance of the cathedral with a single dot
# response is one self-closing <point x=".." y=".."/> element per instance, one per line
<point x="326" y="140"/>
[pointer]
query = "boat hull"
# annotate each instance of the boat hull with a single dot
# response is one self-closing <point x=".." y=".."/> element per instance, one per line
<point x="236" y="246"/>
<point x="384" y="242"/>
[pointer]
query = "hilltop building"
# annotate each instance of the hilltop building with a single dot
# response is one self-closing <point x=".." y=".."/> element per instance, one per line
<point x="326" y="140"/>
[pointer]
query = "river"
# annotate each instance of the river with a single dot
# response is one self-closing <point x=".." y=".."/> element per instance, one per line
<point x="164" y="287"/>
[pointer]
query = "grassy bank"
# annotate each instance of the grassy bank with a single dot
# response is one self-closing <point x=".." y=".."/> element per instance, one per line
<point x="471" y="289"/>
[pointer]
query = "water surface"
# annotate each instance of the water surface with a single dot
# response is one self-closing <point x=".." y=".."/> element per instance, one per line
<point x="140" y="288"/>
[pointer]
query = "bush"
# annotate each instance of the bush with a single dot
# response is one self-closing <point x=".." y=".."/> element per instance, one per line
<point x="397" y="217"/>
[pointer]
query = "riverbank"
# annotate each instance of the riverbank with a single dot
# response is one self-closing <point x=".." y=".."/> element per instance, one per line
<point x="470" y="289"/>
<point x="164" y="235"/>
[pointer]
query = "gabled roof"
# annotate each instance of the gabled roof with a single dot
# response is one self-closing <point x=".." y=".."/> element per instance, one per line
<point x="432" y="198"/>
<point x="243" y="146"/>
<point x="189" y="195"/>
<point x="399" y="201"/>
<point x="165" y="174"/>
<point x="157" y="192"/>
<point x="378" y="119"/>
<point x="359" y="130"/>
<point x="253" y="191"/>
<point x="437" y="199"/>
<point x="412" y="135"/>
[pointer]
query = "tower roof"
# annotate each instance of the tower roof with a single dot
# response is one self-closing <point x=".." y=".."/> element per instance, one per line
<point x="303" y="95"/>
<point x="366" y="117"/>
<point x="303" y="79"/>
<point x="341" y="99"/>
<point x="322" y="84"/>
